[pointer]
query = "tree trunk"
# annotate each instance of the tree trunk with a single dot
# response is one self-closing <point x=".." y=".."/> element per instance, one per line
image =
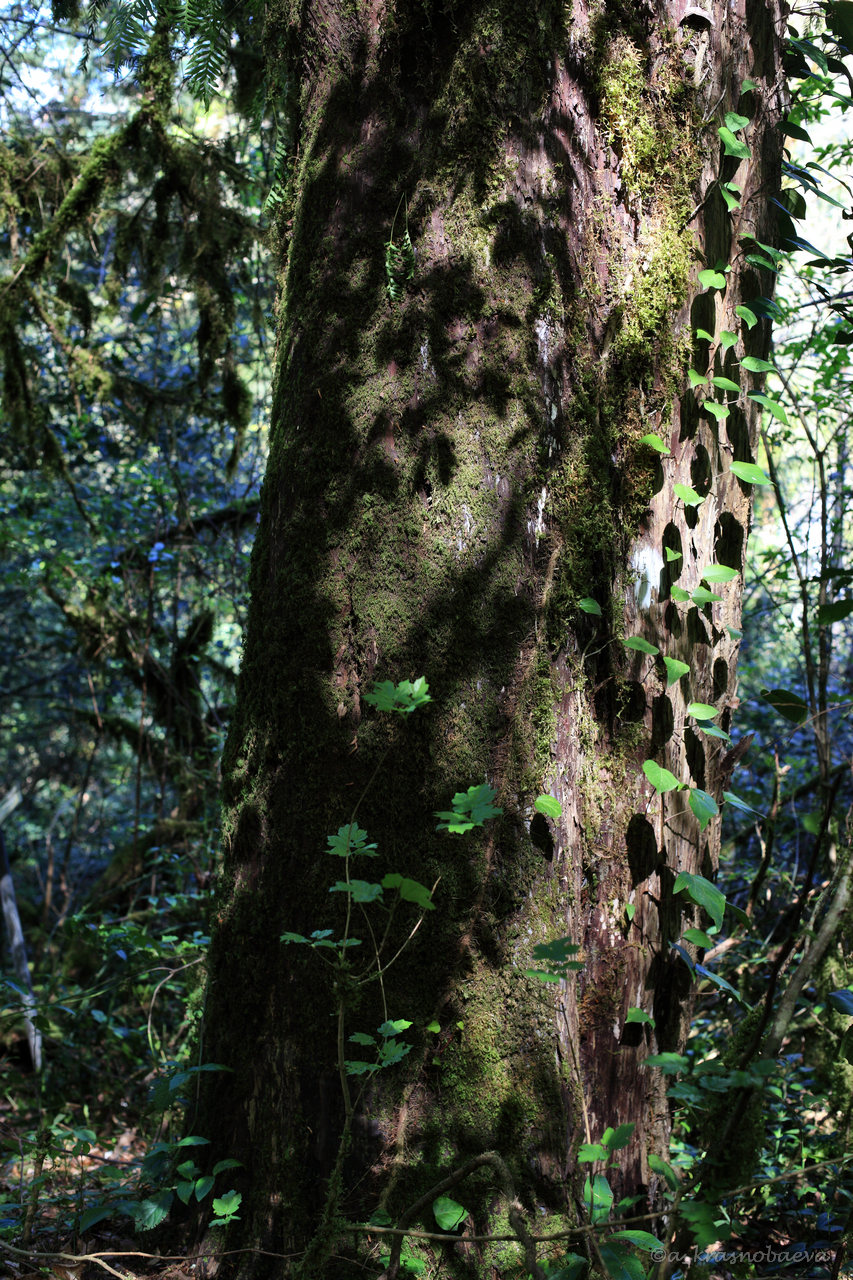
<point x="452" y="472"/>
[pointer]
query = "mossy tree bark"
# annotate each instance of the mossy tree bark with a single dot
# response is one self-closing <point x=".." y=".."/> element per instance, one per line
<point x="449" y="476"/>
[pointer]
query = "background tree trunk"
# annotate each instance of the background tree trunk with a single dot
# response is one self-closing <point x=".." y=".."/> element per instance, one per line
<point x="449" y="475"/>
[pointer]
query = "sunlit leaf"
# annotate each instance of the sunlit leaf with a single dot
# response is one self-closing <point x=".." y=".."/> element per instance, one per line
<point x="661" y="779"/>
<point x="719" y="573"/>
<point x="749" y="473"/>
<point x="688" y="495"/>
<point x="749" y="317"/>
<point x="548" y="806"/>
<point x="772" y="406"/>
<point x="675" y="669"/>
<point x="733" y="146"/>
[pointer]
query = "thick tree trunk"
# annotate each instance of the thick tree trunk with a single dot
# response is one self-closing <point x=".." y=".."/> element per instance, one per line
<point x="450" y="474"/>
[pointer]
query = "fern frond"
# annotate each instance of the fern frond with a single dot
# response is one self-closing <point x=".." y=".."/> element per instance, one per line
<point x="126" y="36"/>
<point x="205" y="23"/>
<point x="399" y="259"/>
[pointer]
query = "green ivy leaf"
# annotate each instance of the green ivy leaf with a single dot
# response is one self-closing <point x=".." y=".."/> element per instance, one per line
<point x="590" y="606"/>
<point x="448" y="1213"/>
<point x="642" y="1239"/>
<point x="754" y="365"/>
<point x="675" y="669"/>
<point x="704" y="335"/>
<point x="671" y="1064"/>
<point x="728" y="339"/>
<point x="661" y="779"/>
<point x="736" y="122"/>
<point x="703" y="596"/>
<point x="712" y="730"/>
<point x="664" y="1170"/>
<point x="719" y="411"/>
<point x="749" y="318"/>
<point x="733" y="146"/>
<point x="772" y="406"/>
<point x="548" y="806"/>
<point x="701" y="710"/>
<point x="597" y="1197"/>
<point x="737" y="803"/>
<point x="410" y="890"/>
<point x="678" y="593"/>
<point x="696" y="379"/>
<point x="719" y="573"/>
<point x="641" y="645"/>
<point x="732" y="201"/>
<point x="704" y="894"/>
<point x="704" y="807"/>
<point x="757" y="260"/>
<point x="749" y="473"/>
<point x="792" y="130"/>
<point x="726" y="384"/>
<point x="698" y="937"/>
<point x="639" y="1015"/>
<point x="655" y="442"/>
<point x="711" y="279"/>
<point x="672" y="555"/>
<point x="718" y="982"/>
<point x="688" y="495"/>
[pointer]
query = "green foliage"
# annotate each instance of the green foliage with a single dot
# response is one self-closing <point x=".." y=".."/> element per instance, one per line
<point x="471" y="809"/>
<point x="399" y="258"/>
